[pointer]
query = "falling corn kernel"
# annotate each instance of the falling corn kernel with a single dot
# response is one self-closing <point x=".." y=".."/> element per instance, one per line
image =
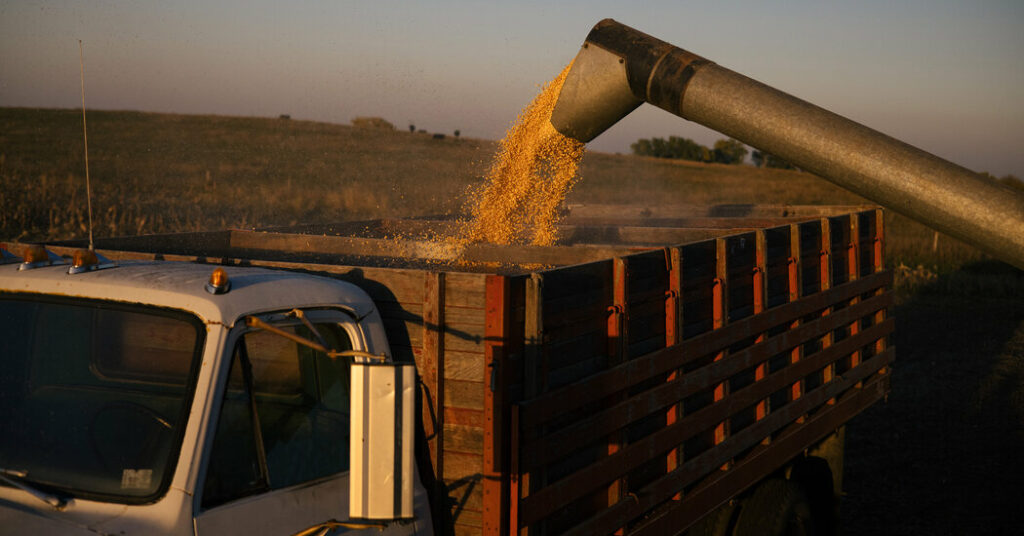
<point x="534" y="169"/>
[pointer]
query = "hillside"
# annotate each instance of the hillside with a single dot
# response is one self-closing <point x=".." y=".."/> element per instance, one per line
<point x="159" y="173"/>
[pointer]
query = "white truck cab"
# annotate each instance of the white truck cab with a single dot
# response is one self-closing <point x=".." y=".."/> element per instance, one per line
<point x="149" y="399"/>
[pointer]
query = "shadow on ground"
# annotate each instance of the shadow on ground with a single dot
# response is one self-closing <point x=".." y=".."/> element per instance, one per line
<point x="945" y="453"/>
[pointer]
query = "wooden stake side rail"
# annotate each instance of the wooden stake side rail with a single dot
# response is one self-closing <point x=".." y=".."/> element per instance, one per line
<point x="545" y="407"/>
<point x="651" y="443"/>
<point x="627" y="394"/>
<point x="562" y="442"/>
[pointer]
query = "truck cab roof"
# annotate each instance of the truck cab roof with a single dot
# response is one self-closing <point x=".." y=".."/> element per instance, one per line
<point x="181" y="285"/>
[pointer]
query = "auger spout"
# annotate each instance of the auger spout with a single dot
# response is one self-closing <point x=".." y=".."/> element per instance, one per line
<point x="619" y="68"/>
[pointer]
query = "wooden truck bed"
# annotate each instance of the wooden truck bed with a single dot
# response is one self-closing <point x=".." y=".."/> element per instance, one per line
<point x="633" y="380"/>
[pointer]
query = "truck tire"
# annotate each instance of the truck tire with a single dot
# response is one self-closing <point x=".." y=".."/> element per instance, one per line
<point x="776" y="508"/>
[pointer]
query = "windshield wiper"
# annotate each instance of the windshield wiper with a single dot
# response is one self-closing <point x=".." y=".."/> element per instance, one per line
<point x="19" y="480"/>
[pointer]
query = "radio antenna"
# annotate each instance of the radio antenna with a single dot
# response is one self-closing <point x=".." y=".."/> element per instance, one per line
<point x="85" y="138"/>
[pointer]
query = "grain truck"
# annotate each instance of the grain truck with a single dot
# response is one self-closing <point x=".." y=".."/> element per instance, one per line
<point x="655" y="370"/>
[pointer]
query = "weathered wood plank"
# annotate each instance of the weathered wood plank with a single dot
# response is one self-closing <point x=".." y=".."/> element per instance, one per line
<point x="466" y="530"/>
<point x="630" y="235"/>
<point x="464" y="366"/>
<point x="464" y="439"/>
<point x="463" y="466"/>
<point x="470" y="521"/>
<point x="463" y="394"/>
<point x="467" y="417"/>
<point x="464" y="337"/>
<point x="467" y="494"/>
<point x="681" y="215"/>
<point x="465" y="290"/>
<point x="464" y="315"/>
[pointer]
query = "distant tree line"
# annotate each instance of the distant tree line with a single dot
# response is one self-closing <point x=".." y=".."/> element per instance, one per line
<point x="1007" y="180"/>
<point x="762" y="159"/>
<point x="725" y="151"/>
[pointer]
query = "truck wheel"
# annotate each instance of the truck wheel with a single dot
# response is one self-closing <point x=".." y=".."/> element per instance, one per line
<point x="776" y="508"/>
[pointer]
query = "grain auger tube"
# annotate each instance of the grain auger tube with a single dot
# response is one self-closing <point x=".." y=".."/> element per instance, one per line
<point x="618" y="68"/>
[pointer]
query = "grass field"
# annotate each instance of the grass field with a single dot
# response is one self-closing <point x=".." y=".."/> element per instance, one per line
<point x="940" y="458"/>
<point x="162" y="173"/>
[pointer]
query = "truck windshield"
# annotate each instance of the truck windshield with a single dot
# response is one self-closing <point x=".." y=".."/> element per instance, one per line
<point x="94" y="395"/>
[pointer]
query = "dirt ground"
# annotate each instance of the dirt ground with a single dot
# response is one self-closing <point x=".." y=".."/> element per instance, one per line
<point x="944" y="454"/>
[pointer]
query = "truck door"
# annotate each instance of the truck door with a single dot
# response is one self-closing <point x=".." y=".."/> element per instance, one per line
<point x="278" y="458"/>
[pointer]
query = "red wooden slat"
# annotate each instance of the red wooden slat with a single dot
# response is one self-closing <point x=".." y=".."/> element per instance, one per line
<point x="544" y="501"/>
<point x="545" y="407"/>
<point x="661" y="489"/>
<point x="543" y="450"/>
<point x="723" y="486"/>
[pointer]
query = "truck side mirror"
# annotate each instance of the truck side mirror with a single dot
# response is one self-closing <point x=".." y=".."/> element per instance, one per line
<point x="381" y="444"/>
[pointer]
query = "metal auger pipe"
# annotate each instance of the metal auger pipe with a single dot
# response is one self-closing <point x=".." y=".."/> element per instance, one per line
<point x="619" y="68"/>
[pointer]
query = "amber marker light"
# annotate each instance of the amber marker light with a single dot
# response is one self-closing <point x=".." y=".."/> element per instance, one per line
<point x="83" y="258"/>
<point x="35" y="254"/>
<point x="219" y="282"/>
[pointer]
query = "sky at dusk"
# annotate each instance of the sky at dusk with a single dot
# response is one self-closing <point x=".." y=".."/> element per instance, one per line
<point x="945" y="76"/>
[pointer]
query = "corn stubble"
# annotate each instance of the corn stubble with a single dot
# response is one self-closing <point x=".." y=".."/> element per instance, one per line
<point x="534" y="169"/>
